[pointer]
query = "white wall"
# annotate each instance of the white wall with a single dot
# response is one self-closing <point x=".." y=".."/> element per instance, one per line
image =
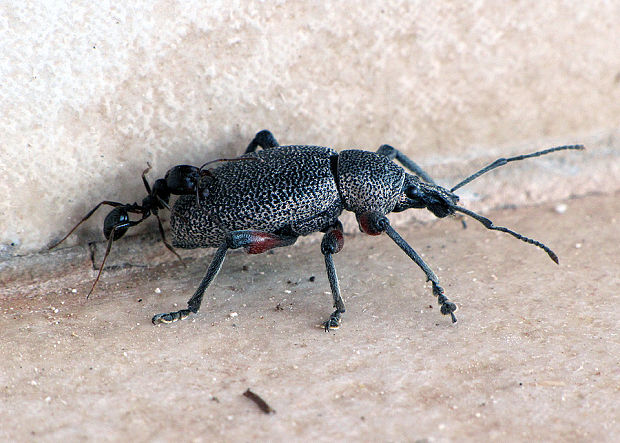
<point x="91" y="91"/>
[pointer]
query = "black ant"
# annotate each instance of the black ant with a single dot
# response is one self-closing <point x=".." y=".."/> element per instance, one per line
<point x="179" y="180"/>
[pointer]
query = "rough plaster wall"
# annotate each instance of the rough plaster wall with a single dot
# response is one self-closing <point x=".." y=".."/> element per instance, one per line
<point x="91" y="91"/>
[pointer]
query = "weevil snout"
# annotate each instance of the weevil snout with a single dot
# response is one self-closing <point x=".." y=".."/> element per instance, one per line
<point x="418" y="194"/>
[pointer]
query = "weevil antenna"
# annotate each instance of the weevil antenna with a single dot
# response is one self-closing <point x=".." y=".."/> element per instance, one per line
<point x="502" y="161"/>
<point x="489" y="225"/>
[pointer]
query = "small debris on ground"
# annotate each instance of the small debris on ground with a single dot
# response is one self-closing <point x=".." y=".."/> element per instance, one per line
<point x="262" y="404"/>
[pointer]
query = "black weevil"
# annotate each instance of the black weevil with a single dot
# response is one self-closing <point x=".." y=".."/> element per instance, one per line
<point x="267" y="199"/>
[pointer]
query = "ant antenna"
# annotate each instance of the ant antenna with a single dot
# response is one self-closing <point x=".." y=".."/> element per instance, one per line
<point x="489" y="225"/>
<point x="237" y="159"/>
<point x="502" y="161"/>
<point x="205" y="172"/>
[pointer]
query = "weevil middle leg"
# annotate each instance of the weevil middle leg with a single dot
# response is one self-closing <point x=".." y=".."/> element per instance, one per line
<point x="332" y="243"/>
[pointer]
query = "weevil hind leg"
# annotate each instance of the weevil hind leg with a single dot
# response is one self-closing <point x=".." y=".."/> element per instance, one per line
<point x="254" y="242"/>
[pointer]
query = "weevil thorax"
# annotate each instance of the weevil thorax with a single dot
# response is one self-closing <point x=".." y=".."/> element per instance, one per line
<point x="368" y="181"/>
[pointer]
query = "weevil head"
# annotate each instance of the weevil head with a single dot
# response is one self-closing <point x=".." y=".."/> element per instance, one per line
<point x="418" y="194"/>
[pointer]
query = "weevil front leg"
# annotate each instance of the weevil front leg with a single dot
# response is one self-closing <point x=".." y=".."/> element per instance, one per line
<point x="375" y="223"/>
<point x="332" y="243"/>
<point x="254" y="242"/>
<point x="394" y="154"/>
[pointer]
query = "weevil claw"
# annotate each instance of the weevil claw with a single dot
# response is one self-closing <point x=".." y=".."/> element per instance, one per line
<point x="448" y="308"/>
<point x="170" y="317"/>
<point x="333" y="322"/>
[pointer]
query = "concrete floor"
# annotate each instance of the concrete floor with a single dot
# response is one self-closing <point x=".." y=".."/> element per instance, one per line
<point x="535" y="354"/>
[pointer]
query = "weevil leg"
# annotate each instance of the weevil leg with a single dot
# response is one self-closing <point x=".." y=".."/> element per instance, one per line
<point x="332" y="243"/>
<point x="257" y="242"/>
<point x="374" y="223"/>
<point x="194" y="303"/>
<point x="254" y="242"/>
<point x="264" y="139"/>
<point x="394" y="154"/>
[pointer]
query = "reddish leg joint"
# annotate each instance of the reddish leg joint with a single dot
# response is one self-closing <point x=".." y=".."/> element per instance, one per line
<point x="257" y="242"/>
<point x="372" y="222"/>
<point x="333" y="240"/>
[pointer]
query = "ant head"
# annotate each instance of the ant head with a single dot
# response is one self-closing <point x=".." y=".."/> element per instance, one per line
<point x="182" y="179"/>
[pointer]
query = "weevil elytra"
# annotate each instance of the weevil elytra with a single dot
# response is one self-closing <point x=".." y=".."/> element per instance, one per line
<point x="267" y="198"/>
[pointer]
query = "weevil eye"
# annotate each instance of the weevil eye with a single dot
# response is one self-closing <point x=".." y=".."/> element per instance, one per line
<point x="116" y="218"/>
<point x="182" y="179"/>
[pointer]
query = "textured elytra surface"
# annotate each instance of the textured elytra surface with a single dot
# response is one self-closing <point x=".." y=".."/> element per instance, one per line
<point x="369" y="181"/>
<point x="287" y="189"/>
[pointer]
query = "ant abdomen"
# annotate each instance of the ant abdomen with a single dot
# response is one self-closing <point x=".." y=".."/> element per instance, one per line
<point x="114" y="222"/>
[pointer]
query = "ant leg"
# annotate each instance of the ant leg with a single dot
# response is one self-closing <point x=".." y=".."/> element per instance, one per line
<point x="109" y="246"/>
<point x="332" y="243"/>
<point x="264" y="139"/>
<point x="374" y="223"/>
<point x="168" y="245"/>
<point x="86" y="217"/>
<point x="254" y="242"/>
<point x="146" y="183"/>
<point x="394" y="154"/>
